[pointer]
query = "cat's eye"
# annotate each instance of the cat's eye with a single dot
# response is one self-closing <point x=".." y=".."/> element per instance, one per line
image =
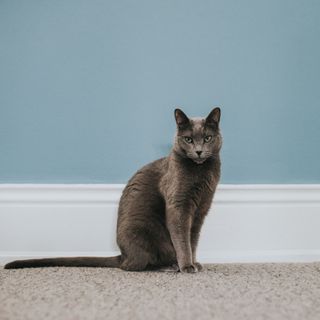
<point x="207" y="138"/>
<point x="188" y="140"/>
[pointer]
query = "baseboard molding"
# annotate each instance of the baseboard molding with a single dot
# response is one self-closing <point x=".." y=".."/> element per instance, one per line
<point x="247" y="223"/>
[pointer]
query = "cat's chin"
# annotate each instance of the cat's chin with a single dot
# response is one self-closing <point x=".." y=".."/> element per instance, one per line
<point x="199" y="161"/>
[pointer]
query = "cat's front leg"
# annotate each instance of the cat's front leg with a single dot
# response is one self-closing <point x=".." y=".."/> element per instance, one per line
<point x="195" y="233"/>
<point x="197" y="223"/>
<point x="179" y="226"/>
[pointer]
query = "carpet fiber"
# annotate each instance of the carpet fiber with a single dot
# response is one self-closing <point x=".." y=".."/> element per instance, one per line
<point x="226" y="291"/>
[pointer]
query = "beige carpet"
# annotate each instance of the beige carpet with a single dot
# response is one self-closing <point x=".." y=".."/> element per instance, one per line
<point x="234" y="291"/>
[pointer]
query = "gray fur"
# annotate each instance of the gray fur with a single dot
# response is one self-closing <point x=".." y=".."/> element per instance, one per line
<point x="163" y="206"/>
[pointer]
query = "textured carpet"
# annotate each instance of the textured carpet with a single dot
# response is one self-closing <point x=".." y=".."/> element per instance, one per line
<point x="226" y="291"/>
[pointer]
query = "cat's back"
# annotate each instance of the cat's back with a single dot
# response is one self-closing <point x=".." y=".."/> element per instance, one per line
<point x="143" y="187"/>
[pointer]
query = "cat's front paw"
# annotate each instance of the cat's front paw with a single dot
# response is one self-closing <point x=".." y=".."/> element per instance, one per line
<point x="189" y="269"/>
<point x="198" y="266"/>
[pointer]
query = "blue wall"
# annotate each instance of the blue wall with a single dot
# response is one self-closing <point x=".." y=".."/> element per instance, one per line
<point x="88" y="88"/>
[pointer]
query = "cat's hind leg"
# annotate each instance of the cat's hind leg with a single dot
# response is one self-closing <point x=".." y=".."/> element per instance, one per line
<point x="167" y="261"/>
<point x="172" y="268"/>
<point x="142" y="249"/>
<point x="137" y="260"/>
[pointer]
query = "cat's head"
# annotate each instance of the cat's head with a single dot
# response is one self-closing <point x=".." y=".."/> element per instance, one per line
<point x="198" y="138"/>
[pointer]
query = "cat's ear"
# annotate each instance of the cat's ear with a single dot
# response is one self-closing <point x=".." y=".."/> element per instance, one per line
<point x="214" y="117"/>
<point x="181" y="119"/>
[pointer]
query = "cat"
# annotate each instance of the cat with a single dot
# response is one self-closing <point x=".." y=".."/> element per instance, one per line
<point x="163" y="206"/>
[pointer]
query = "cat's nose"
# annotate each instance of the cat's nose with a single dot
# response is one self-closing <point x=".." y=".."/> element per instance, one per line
<point x="198" y="153"/>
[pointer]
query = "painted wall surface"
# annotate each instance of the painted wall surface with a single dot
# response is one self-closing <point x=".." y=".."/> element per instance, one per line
<point x="88" y="88"/>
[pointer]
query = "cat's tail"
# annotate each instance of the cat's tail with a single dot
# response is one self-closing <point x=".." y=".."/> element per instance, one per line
<point x="98" y="262"/>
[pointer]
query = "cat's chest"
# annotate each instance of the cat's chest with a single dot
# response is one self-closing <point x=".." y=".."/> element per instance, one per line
<point x="195" y="180"/>
<point x="186" y="187"/>
<point x="199" y="188"/>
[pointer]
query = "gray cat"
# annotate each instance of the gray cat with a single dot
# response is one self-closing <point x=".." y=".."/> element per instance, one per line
<point x="163" y="206"/>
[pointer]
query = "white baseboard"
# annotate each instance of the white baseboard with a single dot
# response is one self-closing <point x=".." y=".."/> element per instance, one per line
<point x="247" y="223"/>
